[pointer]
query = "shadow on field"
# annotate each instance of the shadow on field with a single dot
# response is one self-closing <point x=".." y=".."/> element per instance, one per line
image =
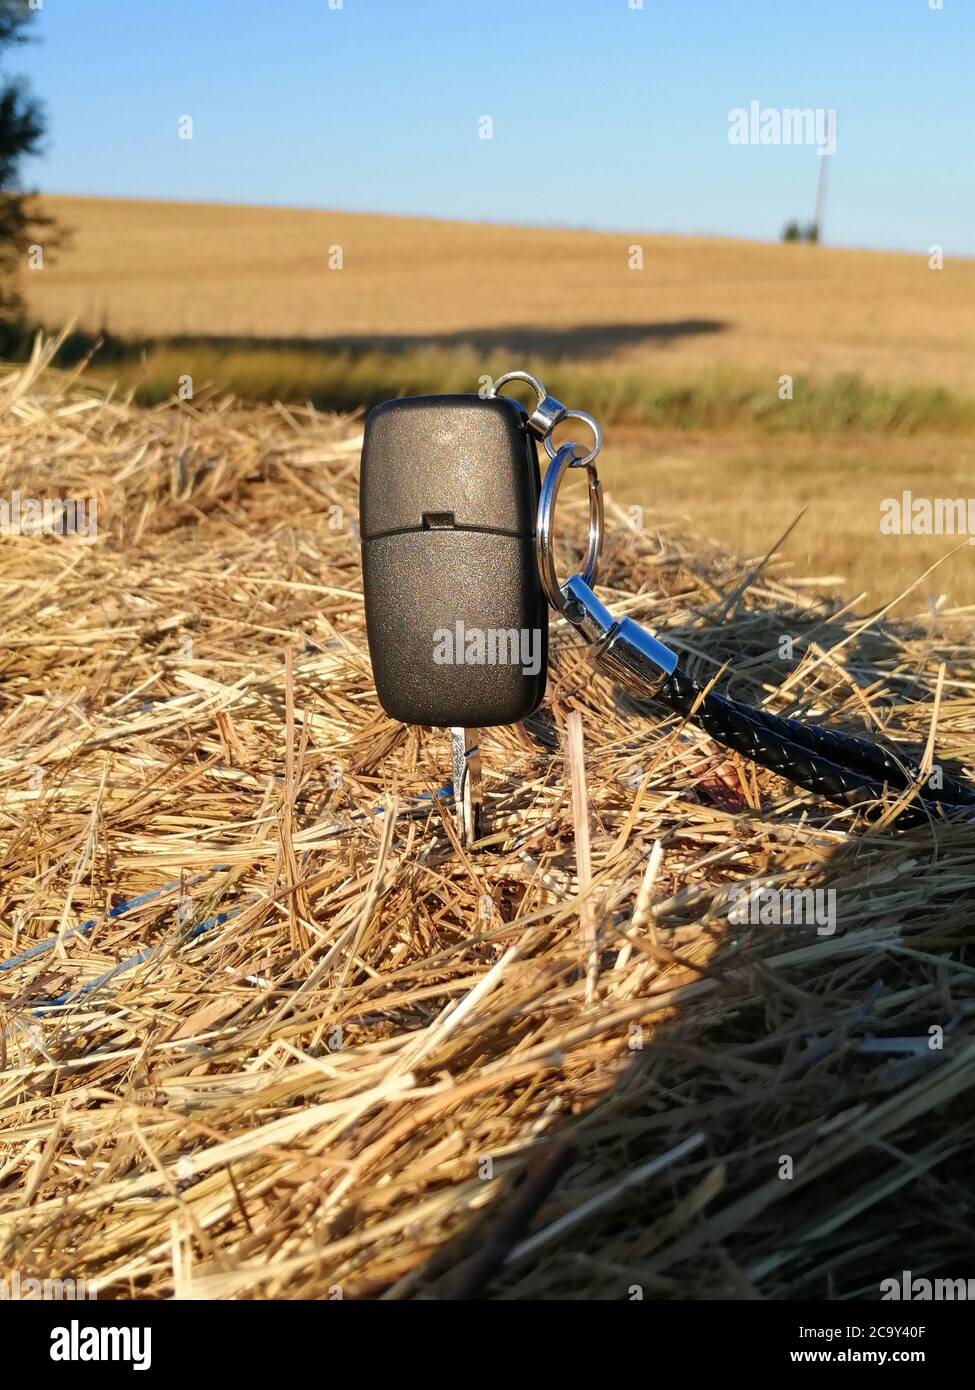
<point x="769" y="1126"/>
<point x="750" y="1146"/>
<point x="580" y="340"/>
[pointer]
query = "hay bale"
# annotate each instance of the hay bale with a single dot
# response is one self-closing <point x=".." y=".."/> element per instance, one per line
<point x="325" y="1052"/>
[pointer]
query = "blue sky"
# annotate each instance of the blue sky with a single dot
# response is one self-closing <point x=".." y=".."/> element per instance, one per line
<point x="604" y="115"/>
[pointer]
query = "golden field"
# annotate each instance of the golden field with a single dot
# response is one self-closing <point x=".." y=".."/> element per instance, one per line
<point x="681" y="359"/>
<point x="161" y="269"/>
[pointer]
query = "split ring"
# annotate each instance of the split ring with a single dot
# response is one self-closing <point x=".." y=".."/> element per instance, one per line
<point x="582" y="460"/>
<point x="567" y="456"/>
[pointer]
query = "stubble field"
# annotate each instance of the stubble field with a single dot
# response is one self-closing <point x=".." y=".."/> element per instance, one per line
<point x="683" y="359"/>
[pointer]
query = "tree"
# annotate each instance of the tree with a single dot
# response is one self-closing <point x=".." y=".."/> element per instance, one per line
<point x="792" y="231"/>
<point x="22" y="127"/>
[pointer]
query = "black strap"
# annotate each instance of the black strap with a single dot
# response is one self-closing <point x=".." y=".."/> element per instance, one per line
<point x="837" y="766"/>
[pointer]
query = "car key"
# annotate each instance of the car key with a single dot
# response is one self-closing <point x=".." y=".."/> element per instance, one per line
<point x="456" y="618"/>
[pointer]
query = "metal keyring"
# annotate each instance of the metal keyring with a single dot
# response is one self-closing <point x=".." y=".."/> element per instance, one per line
<point x="584" y="460"/>
<point x="547" y="412"/>
<point x="532" y="381"/>
<point x="566" y="457"/>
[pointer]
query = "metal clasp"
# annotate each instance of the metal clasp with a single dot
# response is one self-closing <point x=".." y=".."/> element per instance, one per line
<point x="548" y="412"/>
<point x="634" y="658"/>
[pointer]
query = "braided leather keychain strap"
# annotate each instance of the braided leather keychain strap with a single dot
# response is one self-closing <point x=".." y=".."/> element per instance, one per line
<point x="840" y="767"/>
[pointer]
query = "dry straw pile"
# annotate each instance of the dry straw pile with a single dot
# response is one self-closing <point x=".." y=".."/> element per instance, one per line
<point x="326" y="1053"/>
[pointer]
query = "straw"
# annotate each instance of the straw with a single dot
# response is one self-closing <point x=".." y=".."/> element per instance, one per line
<point x="308" y="1046"/>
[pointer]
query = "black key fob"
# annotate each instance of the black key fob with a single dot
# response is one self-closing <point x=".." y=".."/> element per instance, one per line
<point x="455" y="615"/>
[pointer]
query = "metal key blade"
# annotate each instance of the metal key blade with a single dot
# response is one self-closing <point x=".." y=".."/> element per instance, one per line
<point x="468" y="790"/>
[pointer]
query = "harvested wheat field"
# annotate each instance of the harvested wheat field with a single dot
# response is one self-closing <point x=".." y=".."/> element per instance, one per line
<point x="268" y="1031"/>
<point x="164" y="269"/>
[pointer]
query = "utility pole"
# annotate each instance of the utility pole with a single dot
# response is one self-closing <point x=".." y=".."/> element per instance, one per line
<point x="821" y="193"/>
